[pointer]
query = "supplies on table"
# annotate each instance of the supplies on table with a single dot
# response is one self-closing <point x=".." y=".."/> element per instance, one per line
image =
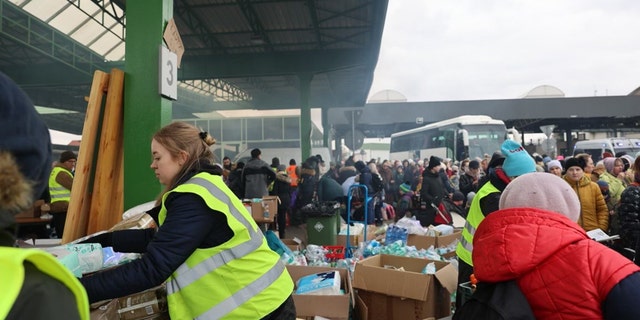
<point x="151" y="303"/>
<point x="334" y="306"/>
<point x="442" y="238"/>
<point x="140" y="220"/>
<point x="321" y="283"/>
<point x="79" y="258"/>
<point x="357" y="234"/>
<point x="394" y="234"/>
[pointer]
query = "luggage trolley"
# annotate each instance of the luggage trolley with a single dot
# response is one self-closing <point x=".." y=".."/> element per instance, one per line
<point x="349" y="248"/>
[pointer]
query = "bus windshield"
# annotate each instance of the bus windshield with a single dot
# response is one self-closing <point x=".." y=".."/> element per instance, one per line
<point x="484" y="139"/>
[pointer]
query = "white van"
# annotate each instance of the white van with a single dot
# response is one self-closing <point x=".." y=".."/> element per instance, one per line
<point x="597" y="147"/>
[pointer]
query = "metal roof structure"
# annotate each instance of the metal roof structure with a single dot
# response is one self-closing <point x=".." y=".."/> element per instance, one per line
<point x="606" y="113"/>
<point x="239" y="54"/>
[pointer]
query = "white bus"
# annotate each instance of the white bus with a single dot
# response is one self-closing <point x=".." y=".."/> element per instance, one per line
<point x="456" y="138"/>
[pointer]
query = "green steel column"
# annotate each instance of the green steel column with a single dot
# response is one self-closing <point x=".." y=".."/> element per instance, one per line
<point x="305" y="115"/>
<point x="325" y="127"/>
<point x="145" y="111"/>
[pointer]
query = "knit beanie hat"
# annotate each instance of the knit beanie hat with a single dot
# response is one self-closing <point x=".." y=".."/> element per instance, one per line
<point x="554" y="164"/>
<point x="544" y="191"/>
<point x="517" y="160"/>
<point x="67" y="155"/>
<point x="609" y="162"/>
<point x="575" y="162"/>
<point x="457" y="196"/>
<point x="627" y="160"/>
<point x="474" y="164"/>
<point x="24" y="135"/>
<point x="405" y="188"/>
<point x="433" y="162"/>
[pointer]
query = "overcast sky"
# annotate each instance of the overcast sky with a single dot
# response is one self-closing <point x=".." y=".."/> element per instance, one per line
<point x="434" y="50"/>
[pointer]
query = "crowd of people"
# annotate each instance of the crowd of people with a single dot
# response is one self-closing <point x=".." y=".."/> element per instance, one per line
<point x="526" y="218"/>
<point x="563" y="196"/>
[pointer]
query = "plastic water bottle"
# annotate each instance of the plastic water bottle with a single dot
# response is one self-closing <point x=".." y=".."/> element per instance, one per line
<point x="265" y="211"/>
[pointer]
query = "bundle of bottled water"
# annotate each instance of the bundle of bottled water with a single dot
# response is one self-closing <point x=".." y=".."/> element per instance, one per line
<point x="395" y="233"/>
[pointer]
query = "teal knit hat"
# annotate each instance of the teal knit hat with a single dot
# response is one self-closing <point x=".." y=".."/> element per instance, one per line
<point x="405" y="188"/>
<point x="517" y="160"/>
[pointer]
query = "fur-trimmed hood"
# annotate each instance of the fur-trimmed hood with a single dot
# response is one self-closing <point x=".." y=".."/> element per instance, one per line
<point x="15" y="196"/>
<point x="307" y="171"/>
<point x="15" y="190"/>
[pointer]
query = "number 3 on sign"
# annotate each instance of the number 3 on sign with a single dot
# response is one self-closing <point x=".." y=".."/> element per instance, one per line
<point x="168" y="73"/>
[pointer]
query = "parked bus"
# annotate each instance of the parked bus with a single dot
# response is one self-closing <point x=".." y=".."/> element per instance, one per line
<point x="456" y="138"/>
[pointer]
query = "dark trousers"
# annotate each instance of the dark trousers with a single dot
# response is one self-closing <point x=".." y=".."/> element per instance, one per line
<point x="282" y="220"/>
<point x="286" y="311"/>
<point x="58" y="220"/>
<point x="464" y="272"/>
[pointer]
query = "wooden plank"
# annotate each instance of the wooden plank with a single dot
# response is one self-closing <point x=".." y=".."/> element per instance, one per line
<point x="107" y="199"/>
<point x="80" y="202"/>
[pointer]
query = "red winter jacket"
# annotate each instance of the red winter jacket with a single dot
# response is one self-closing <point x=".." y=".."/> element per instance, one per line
<point x="563" y="273"/>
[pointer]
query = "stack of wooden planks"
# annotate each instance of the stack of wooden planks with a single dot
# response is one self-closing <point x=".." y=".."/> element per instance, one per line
<point x="97" y="195"/>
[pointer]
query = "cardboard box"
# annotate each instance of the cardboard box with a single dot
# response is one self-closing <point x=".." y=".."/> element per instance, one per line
<point x="424" y="242"/>
<point x="389" y="293"/>
<point x="150" y="303"/>
<point x="104" y="310"/>
<point x="330" y="306"/>
<point x="293" y="244"/>
<point x="33" y="212"/>
<point x="269" y="204"/>
<point x="355" y="239"/>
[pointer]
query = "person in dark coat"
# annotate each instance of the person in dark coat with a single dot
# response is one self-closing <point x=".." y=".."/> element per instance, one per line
<point x="235" y="180"/>
<point x="629" y="215"/>
<point x="469" y="180"/>
<point x="257" y="175"/>
<point x="432" y="193"/>
<point x="365" y="178"/>
<point x="30" y="287"/>
<point x="306" y="191"/>
<point x="282" y="189"/>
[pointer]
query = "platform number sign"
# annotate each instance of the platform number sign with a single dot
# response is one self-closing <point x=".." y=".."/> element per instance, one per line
<point x="168" y="73"/>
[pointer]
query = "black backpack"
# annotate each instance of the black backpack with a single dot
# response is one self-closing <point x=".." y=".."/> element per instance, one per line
<point x="376" y="183"/>
<point x="501" y="300"/>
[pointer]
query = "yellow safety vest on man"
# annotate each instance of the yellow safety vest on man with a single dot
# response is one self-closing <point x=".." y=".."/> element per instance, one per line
<point x="242" y="278"/>
<point x="12" y="277"/>
<point x="464" y="249"/>
<point x="57" y="191"/>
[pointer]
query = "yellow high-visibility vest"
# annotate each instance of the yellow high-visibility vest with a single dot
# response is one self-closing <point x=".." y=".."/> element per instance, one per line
<point x="242" y="278"/>
<point x="12" y="277"/>
<point x="464" y="249"/>
<point x="57" y="191"/>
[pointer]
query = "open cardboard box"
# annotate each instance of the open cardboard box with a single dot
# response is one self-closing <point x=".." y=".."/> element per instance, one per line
<point x="355" y="239"/>
<point x="265" y="210"/>
<point x="389" y="293"/>
<point x="424" y="242"/>
<point x="328" y="306"/>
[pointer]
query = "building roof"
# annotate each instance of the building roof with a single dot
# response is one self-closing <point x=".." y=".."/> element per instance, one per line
<point x="238" y="54"/>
